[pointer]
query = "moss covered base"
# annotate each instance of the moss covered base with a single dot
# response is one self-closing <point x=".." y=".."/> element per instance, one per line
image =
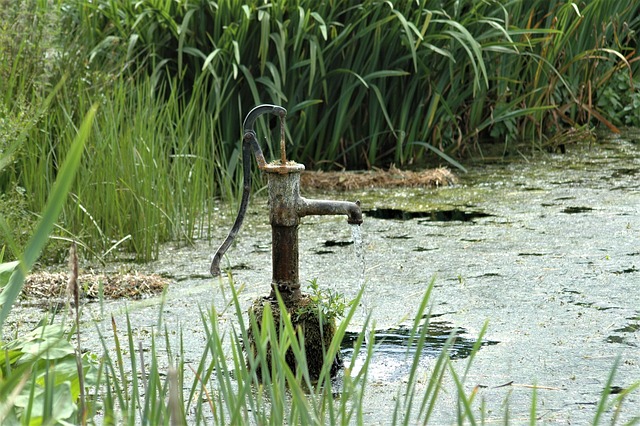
<point x="304" y="316"/>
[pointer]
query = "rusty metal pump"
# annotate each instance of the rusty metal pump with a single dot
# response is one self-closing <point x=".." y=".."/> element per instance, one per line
<point x="286" y="207"/>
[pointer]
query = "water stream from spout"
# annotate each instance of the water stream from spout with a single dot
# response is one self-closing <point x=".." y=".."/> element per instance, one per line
<point x="358" y="248"/>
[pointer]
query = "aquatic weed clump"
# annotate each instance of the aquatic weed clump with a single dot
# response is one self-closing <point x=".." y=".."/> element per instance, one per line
<point x="312" y="317"/>
<point x="304" y="317"/>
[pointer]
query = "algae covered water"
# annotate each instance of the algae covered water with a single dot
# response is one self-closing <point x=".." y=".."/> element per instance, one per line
<point x="547" y="250"/>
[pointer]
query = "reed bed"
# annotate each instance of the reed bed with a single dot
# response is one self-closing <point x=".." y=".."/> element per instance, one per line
<point x="160" y="88"/>
<point x="370" y="83"/>
<point x="367" y="84"/>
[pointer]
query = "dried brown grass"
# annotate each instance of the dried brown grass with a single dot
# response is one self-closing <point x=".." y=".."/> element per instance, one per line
<point x="392" y="178"/>
<point x="46" y="285"/>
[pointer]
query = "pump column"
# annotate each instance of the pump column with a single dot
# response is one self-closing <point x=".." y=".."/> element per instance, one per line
<point x="284" y="193"/>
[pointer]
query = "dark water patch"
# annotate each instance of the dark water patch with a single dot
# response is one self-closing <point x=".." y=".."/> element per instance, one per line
<point x="488" y="275"/>
<point x="395" y="348"/>
<point x="399" y="237"/>
<point x="472" y="240"/>
<point x="394" y="214"/>
<point x="624" y="172"/>
<point x="620" y="340"/>
<point x="531" y="254"/>
<point x="240" y="267"/>
<point x="397" y="341"/>
<point x="625" y="188"/>
<point x="334" y="243"/>
<point x="616" y="390"/>
<point x="322" y="252"/>
<point x="564" y="198"/>
<point x="450" y="215"/>
<point x="422" y="249"/>
<point x="629" y="328"/>
<point x="432" y="316"/>
<point x="632" y="327"/>
<point x="595" y="306"/>
<point x="577" y="209"/>
<point x="627" y="271"/>
<point x="456" y="215"/>
<point x="193" y="276"/>
<point x="437" y="235"/>
<point x="328" y="244"/>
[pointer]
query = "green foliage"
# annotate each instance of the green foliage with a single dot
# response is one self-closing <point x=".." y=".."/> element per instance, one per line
<point x="364" y="81"/>
<point x="554" y="83"/>
<point x="18" y="221"/>
<point x="366" y="84"/>
<point x="620" y="99"/>
<point x="50" y="214"/>
<point x="152" y="172"/>
<point x="326" y="303"/>
<point x="6" y="269"/>
<point x="41" y="374"/>
<point x="45" y="364"/>
<point x="26" y="35"/>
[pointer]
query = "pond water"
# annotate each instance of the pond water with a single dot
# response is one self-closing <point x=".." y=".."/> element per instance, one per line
<point x="547" y="251"/>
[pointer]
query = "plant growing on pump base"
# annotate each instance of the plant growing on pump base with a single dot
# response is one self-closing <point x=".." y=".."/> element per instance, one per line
<point x="313" y="317"/>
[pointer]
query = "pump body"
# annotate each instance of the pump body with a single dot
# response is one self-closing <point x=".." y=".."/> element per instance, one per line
<point x="287" y="206"/>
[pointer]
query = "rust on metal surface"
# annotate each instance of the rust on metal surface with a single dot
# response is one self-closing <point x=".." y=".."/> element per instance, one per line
<point x="284" y="256"/>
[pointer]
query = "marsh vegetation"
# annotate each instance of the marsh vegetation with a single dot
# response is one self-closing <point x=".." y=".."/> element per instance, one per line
<point x="120" y="130"/>
<point x="365" y="84"/>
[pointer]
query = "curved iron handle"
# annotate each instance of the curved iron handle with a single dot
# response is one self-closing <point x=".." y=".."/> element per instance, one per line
<point x="249" y="143"/>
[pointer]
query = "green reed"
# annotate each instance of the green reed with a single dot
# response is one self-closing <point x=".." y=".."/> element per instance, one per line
<point x="159" y="386"/>
<point x="42" y="375"/>
<point x="366" y="84"/>
<point x="370" y="83"/>
<point x="151" y="171"/>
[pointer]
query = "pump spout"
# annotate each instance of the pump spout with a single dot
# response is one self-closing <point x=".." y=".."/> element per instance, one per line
<point x="327" y="207"/>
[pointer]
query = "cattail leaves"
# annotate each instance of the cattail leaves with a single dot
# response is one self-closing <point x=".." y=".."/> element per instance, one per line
<point x="367" y="84"/>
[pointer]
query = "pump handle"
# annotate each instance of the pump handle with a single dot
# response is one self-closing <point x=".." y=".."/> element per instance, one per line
<point x="249" y="143"/>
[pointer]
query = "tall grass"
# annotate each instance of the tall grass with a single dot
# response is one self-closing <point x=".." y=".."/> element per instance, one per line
<point x="223" y="386"/>
<point x="365" y="81"/>
<point x="575" y="55"/>
<point x="41" y="375"/>
<point x="158" y="385"/>
<point x="152" y="172"/>
<point x="366" y="84"/>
